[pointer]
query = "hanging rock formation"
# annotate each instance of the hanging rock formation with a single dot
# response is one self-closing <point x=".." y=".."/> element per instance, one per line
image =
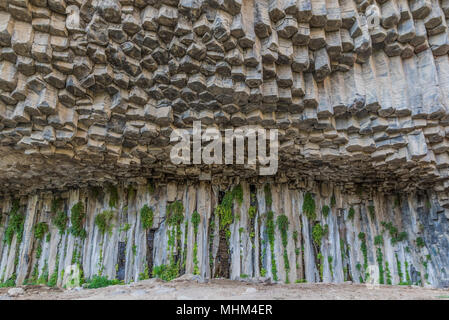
<point x="90" y="91"/>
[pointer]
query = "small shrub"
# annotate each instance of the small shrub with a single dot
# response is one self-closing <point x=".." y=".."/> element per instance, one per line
<point x="175" y="213"/>
<point x="308" y="207"/>
<point x="77" y="216"/>
<point x="15" y="226"/>
<point x="371" y="211"/>
<point x="378" y="240"/>
<point x="420" y="242"/>
<point x="252" y="212"/>
<point x="351" y="213"/>
<point x="103" y="221"/>
<point x="325" y="211"/>
<point x="165" y="272"/>
<point x="60" y="221"/>
<point x="40" y="230"/>
<point x="146" y="215"/>
<point x="113" y="196"/>
<point x="100" y="282"/>
<point x="196" y="218"/>
<point x="237" y="194"/>
<point x="55" y="205"/>
<point x="317" y="233"/>
<point x="333" y="201"/>
<point x="268" y="197"/>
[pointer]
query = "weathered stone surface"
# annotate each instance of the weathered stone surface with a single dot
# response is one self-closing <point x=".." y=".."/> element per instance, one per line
<point x="128" y="252"/>
<point x="90" y="93"/>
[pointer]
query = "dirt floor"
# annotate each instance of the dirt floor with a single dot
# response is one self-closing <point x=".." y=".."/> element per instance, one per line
<point x="155" y="289"/>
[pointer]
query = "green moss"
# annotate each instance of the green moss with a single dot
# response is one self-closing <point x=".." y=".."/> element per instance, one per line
<point x="329" y="260"/>
<point x="308" y="206"/>
<point x="146" y="215"/>
<point x="77" y="217"/>
<point x="60" y="221"/>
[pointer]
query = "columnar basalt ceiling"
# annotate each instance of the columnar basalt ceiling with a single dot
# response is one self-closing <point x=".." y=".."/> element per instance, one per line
<point x="91" y="90"/>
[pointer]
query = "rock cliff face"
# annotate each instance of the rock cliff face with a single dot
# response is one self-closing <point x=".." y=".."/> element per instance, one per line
<point x="322" y="234"/>
<point x="91" y="90"/>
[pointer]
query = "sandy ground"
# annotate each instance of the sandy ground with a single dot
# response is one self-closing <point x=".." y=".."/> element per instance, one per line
<point x="155" y="289"/>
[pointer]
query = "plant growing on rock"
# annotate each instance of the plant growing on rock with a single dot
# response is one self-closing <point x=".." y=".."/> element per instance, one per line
<point x="165" y="272"/>
<point x="146" y="216"/>
<point x="333" y="201"/>
<point x="56" y="203"/>
<point x="60" y="221"/>
<point x="113" y="196"/>
<point x="15" y="225"/>
<point x="270" y="233"/>
<point x="325" y="211"/>
<point x="282" y="223"/>
<point x="175" y="213"/>
<point x="318" y="232"/>
<point x="351" y="213"/>
<point x="268" y="197"/>
<point x="196" y="218"/>
<point x="40" y="230"/>
<point x="77" y="217"/>
<point x="378" y="240"/>
<point x="364" y="249"/>
<point x="420" y="242"/>
<point x="308" y="206"/>
<point x="100" y="282"/>
<point x="103" y="221"/>
<point x="252" y="212"/>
